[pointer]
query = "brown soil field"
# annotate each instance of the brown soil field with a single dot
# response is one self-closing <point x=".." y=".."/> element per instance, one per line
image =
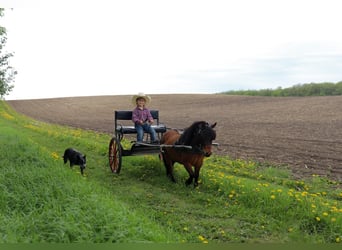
<point x="302" y="133"/>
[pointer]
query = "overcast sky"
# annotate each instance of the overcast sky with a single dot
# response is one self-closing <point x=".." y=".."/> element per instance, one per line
<point x="78" y="47"/>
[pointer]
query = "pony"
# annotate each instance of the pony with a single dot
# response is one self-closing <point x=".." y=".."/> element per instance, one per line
<point x="188" y="148"/>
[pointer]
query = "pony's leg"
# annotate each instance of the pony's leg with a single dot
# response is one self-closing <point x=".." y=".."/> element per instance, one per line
<point x="169" y="172"/>
<point x="188" y="168"/>
<point x="197" y="171"/>
<point x="169" y="167"/>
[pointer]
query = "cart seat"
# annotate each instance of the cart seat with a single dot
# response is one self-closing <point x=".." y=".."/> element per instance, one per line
<point x="130" y="129"/>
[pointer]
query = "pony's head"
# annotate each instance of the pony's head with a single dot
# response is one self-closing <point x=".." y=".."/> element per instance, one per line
<point x="200" y="136"/>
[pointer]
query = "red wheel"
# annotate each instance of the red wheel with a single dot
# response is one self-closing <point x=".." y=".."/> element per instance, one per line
<point x="115" y="157"/>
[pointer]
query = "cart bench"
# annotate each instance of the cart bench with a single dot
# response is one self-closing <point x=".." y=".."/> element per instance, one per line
<point x="130" y="129"/>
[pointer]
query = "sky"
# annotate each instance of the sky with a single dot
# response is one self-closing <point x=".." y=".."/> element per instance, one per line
<point x="109" y="47"/>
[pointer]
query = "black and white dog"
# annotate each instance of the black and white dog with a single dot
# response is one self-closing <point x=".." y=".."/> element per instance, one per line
<point x="75" y="158"/>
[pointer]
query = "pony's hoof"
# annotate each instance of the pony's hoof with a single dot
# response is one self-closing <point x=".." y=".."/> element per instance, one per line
<point x="188" y="182"/>
<point x="172" y="178"/>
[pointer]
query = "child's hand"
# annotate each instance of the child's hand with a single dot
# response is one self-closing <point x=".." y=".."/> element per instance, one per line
<point x="151" y="121"/>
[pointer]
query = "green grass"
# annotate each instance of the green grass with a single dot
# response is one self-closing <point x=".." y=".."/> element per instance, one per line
<point x="43" y="200"/>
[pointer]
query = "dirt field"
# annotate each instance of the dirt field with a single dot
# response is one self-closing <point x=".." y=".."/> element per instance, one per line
<point x="303" y="133"/>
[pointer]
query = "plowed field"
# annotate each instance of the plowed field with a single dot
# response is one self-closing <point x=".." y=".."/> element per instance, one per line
<point x="303" y="133"/>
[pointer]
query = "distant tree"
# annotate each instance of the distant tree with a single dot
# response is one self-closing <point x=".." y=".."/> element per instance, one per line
<point x="308" y="89"/>
<point x="7" y="73"/>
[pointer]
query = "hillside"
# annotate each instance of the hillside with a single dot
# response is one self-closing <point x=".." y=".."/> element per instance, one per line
<point x="43" y="200"/>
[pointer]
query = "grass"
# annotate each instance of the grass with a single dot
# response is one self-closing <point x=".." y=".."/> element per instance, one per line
<point x="44" y="200"/>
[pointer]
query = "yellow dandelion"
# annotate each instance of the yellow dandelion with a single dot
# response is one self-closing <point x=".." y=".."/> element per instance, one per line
<point x="55" y="155"/>
<point x="273" y="196"/>
<point x="202" y="238"/>
<point x="334" y="209"/>
<point x="333" y="219"/>
<point x="325" y="214"/>
<point x="7" y="116"/>
<point x="338" y="239"/>
<point x="318" y="219"/>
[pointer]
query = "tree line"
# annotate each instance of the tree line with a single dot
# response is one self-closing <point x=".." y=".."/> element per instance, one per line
<point x="307" y="89"/>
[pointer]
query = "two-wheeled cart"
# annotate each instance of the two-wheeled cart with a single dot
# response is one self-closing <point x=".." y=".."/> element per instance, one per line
<point x="123" y="125"/>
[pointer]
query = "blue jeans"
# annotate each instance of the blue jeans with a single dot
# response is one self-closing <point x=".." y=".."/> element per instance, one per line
<point x="141" y="128"/>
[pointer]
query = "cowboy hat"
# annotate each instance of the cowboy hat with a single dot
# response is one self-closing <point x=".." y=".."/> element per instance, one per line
<point x="140" y="95"/>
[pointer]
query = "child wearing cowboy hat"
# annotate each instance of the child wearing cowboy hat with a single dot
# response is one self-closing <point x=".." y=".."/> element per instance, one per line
<point x="142" y="118"/>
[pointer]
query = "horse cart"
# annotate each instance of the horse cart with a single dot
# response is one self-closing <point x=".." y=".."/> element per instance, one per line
<point x="116" y="149"/>
<point x="188" y="148"/>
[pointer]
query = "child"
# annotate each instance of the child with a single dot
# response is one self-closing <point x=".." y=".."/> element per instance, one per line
<point x="142" y="117"/>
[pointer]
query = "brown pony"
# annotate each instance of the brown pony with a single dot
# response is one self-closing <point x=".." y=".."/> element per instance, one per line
<point x="188" y="148"/>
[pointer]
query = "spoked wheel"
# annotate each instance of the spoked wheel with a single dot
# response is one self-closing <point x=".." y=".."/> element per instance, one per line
<point x="115" y="155"/>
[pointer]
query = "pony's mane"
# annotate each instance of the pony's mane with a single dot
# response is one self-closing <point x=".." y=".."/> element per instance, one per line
<point x="190" y="132"/>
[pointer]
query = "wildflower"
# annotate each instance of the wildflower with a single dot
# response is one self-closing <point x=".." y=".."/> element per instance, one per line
<point x="7" y="116"/>
<point x="273" y="196"/>
<point x="202" y="239"/>
<point x="334" y="209"/>
<point x="338" y="239"/>
<point x="325" y="214"/>
<point x="318" y="219"/>
<point x="333" y="219"/>
<point x="304" y="193"/>
<point x="55" y="155"/>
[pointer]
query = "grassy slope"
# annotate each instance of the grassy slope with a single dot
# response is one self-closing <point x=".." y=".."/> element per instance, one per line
<point x="236" y="202"/>
<point x="42" y="200"/>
